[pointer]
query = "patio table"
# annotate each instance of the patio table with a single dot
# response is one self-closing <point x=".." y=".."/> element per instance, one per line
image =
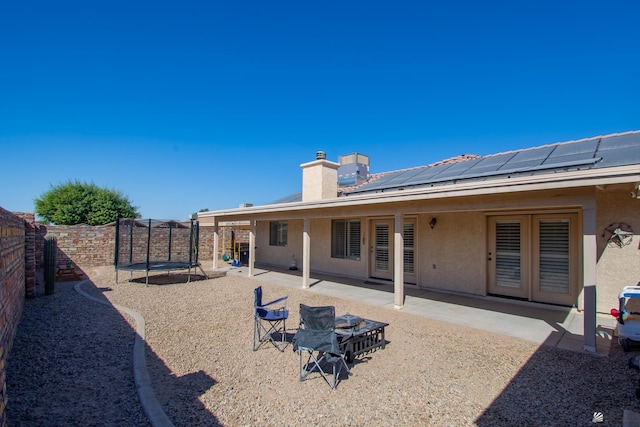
<point x="358" y="336"/>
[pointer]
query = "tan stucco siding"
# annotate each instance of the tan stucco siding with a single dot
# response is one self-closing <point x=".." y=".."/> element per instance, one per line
<point x="319" y="180"/>
<point x="321" y="259"/>
<point x="451" y="256"/>
<point x="457" y="246"/>
<point x="279" y="255"/>
<point x="617" y="267"/>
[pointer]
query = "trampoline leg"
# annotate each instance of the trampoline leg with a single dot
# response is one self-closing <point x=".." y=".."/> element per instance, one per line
<point x="203" y="273"/>
<point x="147" y="281"/>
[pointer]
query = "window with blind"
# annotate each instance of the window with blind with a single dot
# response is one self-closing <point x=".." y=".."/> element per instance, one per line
<point x="554" y="256"/>
<point x="278" y="233"/>
<point x="345" y="239"/>
<point x="508" y="257"/>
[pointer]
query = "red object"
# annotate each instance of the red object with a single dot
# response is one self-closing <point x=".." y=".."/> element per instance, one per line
<point x="614" y="312"/>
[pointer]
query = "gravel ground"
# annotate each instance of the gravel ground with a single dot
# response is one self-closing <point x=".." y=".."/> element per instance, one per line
<point x="71" y="365"/>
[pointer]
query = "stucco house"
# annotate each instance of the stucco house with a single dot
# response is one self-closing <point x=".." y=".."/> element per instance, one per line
<point x="552" y="224"/>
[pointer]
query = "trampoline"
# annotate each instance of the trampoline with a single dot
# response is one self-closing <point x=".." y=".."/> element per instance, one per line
<point x="151" y="245"/>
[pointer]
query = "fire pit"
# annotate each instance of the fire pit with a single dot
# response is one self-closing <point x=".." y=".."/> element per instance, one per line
<point x="348" y="321"/>
<point x="358" y="336"/>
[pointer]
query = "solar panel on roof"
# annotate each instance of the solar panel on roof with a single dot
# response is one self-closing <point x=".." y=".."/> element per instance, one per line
<point x="425" y="175"/>
<point x="465" y="165"/>
<point x="456" y="169"/>
<point x="295" y="197"/>
<point x="568" y="159"/>
<point x="402" y="177"/>
<point x="616" y="150"/>
<point x="573" y="148"/>
<point x="620" y="142"/>
<point x="490" y="163"/>
<point x="619" y="150"/>
<point x="392" y="179"/>
<point x="619" y="157"/>
<point x="527" y="159"/>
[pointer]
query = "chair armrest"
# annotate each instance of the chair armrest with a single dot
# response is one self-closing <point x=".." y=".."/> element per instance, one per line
<point x="276" y="301"/>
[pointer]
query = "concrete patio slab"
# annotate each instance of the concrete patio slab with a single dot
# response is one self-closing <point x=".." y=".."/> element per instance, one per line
<point x="560" y="327"/>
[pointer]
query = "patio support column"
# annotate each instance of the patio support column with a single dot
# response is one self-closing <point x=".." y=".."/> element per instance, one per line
<point x="252" y="246"/>
<point x="216" y="243"/>
<point x="398" y="262"/>
<point x="306" y="254"/>
<point x="590" y="258"/>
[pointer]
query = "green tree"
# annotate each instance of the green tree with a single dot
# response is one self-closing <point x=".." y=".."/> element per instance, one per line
<point x="81" y="203"/>
<point x="195" y="214"/>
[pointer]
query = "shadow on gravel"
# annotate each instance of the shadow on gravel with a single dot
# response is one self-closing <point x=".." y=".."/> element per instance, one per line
<point x="72" y="364"/>
<point x="178" y="396"/>
<point x="173" y="279"/>
<point x="561" y="387"/>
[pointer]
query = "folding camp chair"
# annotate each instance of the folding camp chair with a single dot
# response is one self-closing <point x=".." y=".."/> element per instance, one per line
<point x="316" y="338"/>
<point x="269" y="321"/>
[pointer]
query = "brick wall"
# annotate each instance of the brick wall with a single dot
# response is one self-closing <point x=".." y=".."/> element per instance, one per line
<point x="30" y="245"/>
<point x="84" y="245"/>
<point x="13" y="278"/>
<point x="89" y="246"/>
<point x="228" y="236"/>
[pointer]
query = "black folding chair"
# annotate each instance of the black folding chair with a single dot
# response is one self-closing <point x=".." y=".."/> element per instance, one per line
<point x="269" y="321"/>
<point x="316" y="338"/>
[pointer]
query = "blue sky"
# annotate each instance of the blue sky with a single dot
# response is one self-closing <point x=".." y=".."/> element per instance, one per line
<point x="189" y="105"/>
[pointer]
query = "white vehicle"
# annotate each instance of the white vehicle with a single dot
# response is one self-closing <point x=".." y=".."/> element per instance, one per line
<point x="628" y="316"/>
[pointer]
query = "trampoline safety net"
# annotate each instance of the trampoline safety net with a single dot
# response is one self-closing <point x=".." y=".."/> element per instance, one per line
<point x="156" y="245"/>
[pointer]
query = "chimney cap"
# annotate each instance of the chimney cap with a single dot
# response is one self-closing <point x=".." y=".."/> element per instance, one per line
<point x="321" y="155"/>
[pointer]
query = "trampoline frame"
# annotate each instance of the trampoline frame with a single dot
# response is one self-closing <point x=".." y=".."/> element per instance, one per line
<point x="149" y="265"/>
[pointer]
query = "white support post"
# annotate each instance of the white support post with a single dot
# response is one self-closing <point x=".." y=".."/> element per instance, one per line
<point x="252" y="247"/>
<point x="590" y="258"/>
<point x="216" y="243"/>
<point x="306" y="255"/>
<point x="398" y="262"/>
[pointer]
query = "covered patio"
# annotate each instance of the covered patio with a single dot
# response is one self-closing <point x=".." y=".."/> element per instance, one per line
<point x="554" y="326"/>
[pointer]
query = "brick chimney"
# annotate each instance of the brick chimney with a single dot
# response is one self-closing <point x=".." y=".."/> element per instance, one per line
<point x="319" y="179"/>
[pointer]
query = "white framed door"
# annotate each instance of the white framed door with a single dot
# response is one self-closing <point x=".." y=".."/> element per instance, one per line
<point x="410" y="236"/>
<point x="555" y="259"/>
<point x="508" y="258"/>
<point x="381" y="250"/>
<point x="534" y="257"/>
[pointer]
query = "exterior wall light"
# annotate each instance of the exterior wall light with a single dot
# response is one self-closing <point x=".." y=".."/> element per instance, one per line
<point x="432" y="223"/>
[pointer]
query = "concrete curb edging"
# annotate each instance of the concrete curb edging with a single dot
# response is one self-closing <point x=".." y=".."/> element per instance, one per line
<point x="150" y="404"/>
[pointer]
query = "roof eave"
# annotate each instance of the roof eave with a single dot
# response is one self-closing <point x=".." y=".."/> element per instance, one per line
<point x="572" y="179"/>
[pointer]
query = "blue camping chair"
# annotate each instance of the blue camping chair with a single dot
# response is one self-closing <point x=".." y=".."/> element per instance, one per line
<point x="316" y="338"/>
<point x="269" y="321"/>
